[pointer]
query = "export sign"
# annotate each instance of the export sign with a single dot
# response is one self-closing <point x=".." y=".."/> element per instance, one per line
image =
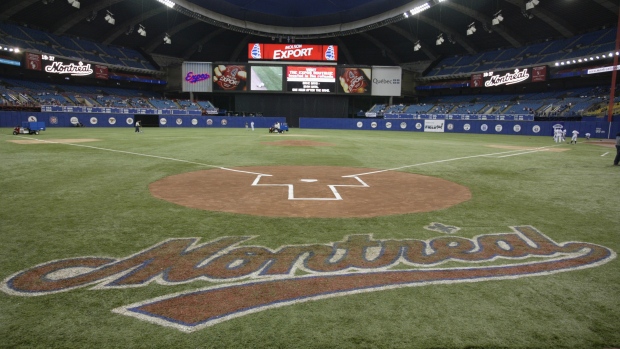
<point x="509" y="77"/>
<point x="255" y="278"/>
<point x="292" y="52"/>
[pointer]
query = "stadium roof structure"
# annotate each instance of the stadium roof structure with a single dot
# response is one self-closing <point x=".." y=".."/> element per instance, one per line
<point x="377" y="32"/>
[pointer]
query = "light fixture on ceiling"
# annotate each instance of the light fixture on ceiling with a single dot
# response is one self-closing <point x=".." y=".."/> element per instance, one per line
<point x="471" y="28"/>
<point x="167" y="39"/>
<point x="440" y="39"/>
<point x="108" y="18"/>
<point x="414" y="11"/>
<point x="141" y="30"/>
<point x="417" y="46"/>
<point x="498" y="18"/>
<point x="531" y="4"/>
<point x="74" y="3"/>
<point x="167" y="3"/>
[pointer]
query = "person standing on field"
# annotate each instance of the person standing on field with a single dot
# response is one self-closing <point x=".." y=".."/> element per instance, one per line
<point x="138" y="125"/>
<point x="617" y="159"/>
<point x="557" y="135"/>
<point x="574" y="138"/>
<point x="252" y="125"/>
<point x="563" y="135"/>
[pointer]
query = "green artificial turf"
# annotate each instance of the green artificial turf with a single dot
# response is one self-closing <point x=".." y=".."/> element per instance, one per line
<point x="61" y="201"/>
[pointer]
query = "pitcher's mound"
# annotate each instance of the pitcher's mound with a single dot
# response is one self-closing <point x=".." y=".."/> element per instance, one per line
<point x="309" y="191"/>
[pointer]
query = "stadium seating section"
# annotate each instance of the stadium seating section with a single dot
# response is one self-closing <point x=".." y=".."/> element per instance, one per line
<point x="17" y="92"/>
<point x="545" y="53"/>
<point x="72" y="48"/>
<point x="588" y="101"/>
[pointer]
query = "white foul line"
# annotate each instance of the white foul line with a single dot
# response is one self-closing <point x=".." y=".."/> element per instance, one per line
<point x="448" y="160"/>
<point x="291" y="190"/>
<point x="605" y="154"/>
<point x="146" y="155"/>
<point x="526" y="152"/>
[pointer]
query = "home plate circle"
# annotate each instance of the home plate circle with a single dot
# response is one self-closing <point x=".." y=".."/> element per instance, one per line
<point x="309" y="191"/>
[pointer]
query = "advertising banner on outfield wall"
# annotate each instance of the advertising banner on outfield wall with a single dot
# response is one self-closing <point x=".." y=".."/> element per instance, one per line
<point x="386" y="81"/>
<point x="434" y="125"/>
<point x="509" y="77"/>
<point x="196" y="77"/>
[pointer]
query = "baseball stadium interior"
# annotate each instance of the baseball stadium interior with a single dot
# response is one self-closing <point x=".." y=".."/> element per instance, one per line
<point x="440" y="45"/>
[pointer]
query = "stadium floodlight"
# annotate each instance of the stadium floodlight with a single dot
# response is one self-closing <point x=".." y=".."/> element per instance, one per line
<point x="531" y="4"/>
<point x="414" y="11"/>
<point x="471" y="28"/>
<point x="74" y="3"/>
<point x="440" y="40"/>
<point x="108" y="18"/>
<point x="498" y="18"/>
<point x="167" y="39"/>
<point x="417" y="46"/>
<point x="167" y="3"/>
<point x="141" y="30"/>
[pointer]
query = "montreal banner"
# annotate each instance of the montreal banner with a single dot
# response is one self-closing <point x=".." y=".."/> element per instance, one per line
<point x="509" y="77"/>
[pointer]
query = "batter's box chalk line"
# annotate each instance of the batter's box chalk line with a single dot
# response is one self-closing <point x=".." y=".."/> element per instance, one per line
<point x="332" y="187"/>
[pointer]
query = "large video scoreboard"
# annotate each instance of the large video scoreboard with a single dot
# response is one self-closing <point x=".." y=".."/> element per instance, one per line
<point x="294" y="69"/>
<point x="297" y="79"/>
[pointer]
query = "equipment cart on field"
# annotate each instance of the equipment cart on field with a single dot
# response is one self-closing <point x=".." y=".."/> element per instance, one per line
<point x="29" y="127"/>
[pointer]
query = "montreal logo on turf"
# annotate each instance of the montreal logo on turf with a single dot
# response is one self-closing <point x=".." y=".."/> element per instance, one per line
<point x="293" y="274"/>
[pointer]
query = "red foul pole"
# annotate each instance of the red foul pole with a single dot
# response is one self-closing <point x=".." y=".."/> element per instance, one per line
<point x="612" y="95"/>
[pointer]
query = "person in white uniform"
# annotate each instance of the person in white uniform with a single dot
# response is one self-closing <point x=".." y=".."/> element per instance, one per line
<point x="557" y="135"/>
<point x="563" y="135"/>
<point x="574" y="138"/>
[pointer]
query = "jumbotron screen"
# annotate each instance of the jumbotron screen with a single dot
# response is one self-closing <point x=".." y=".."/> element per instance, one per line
<point x="311" y="79"/>
<point x="266" y="78"/>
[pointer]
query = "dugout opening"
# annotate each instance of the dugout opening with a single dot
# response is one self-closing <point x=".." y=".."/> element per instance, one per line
<point x="147" y="120"/>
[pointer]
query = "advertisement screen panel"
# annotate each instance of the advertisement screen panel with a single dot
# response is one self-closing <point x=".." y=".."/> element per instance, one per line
<point x="386" y="81"/>
<point x="33" y="61"/>
<point x="61" y="66"/>
<point x="476" y="80"/>
<point x="196" y="77"/>
<point x="539" y="74"/>
<point x="354" y="80"/>
<point x="101" y="72"/>
<point x="266" y="78"/>
<point x="514" y="76"/>
<point x="292" y="52"/>
<point x="308" y="79"/>
<point x="230" y="77"/>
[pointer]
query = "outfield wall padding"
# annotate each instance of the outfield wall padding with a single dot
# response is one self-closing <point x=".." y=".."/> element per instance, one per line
<point x="53" y="119"/>
<point x="597" y="129"/>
